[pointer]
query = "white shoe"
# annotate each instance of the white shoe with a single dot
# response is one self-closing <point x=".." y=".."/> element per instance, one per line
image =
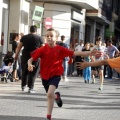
<point x="31" y="91"/>
<point x="66" y="79"/>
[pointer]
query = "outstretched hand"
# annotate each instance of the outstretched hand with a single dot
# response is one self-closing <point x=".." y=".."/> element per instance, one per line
<point x="82" y="65"/>
<point x="95" y="52"/>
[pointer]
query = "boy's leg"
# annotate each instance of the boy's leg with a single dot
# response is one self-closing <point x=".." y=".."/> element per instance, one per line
<point x="50" y="99"/>
<point x="101" y="79"/>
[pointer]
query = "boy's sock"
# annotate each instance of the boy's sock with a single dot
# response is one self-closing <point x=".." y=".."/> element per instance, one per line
<point x="57" y="97"/>
<point x="49" y="117"/>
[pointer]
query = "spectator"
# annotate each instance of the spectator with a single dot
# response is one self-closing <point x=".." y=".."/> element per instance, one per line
<point x="30" y="42"/>
<point x="111" y="51"/>
<point x="87" y="70"/>
<point x="16" y="73"/>
<point x="65" y="60"/>
<point x="79" y="58"/>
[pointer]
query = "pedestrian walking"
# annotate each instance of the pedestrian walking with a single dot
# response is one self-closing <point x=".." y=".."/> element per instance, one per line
<point x="29" y="43"/>
<point x="111" y="51"/>
<point x="51" y="68"/>
<point x="65" y="60"/>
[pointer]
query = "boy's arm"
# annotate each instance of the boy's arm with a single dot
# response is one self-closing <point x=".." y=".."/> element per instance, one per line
<point x="30" y="66"/>
<point x="83" y="65"/>
<point x="117" y="69"/>
<point x="86" y="53"/>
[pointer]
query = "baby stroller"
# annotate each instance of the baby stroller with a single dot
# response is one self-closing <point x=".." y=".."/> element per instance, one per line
<point x="6" y="72"/>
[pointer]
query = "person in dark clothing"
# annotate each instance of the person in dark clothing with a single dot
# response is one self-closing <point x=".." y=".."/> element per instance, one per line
<point x="29" y="42"/>
<point x="17" y="65"/>
<point x="65" y="60"/>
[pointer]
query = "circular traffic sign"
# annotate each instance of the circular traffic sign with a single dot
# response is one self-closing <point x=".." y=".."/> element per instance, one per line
<point x="48" y="23"/>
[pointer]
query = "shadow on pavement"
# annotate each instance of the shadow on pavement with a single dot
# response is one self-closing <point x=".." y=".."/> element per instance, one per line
<point x="25" y="118"/>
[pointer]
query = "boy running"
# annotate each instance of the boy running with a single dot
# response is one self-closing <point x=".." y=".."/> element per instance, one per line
<point x="52" y="56"/>
<point x="99" y="69"/>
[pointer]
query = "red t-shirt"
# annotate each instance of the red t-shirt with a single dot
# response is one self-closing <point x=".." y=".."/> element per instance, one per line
<point x="51" y="60"/>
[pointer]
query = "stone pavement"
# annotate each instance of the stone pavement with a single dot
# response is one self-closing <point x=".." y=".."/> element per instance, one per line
<point x="81" y="101"/>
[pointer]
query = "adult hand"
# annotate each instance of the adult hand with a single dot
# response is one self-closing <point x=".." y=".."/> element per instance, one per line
<point x="82" y="65"/>
<point x="95" y="52"/>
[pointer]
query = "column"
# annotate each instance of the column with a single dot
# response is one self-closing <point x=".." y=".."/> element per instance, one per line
<point x="18" y="20"/>
<point x="94" y="31"/>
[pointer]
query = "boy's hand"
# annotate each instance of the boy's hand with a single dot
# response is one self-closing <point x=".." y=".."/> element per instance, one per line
<point x="95" y="52"/>
<point x="30" y="67"/>
<point x="82" y="65"/>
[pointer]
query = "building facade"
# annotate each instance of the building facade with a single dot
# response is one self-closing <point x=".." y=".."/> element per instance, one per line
<point x="76" y="20"/>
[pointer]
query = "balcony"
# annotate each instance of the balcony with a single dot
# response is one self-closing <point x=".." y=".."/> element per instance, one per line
<point x="103" y="14"/>
<point x="97" y="15"/>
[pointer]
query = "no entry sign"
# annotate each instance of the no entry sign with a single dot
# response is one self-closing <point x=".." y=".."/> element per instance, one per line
<point x="48" y="23"/>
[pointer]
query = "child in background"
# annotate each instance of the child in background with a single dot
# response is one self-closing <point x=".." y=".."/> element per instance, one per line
<point x="87" y="70"/>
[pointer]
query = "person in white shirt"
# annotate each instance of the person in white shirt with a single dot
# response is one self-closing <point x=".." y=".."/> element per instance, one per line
<point x="100" y="69"/>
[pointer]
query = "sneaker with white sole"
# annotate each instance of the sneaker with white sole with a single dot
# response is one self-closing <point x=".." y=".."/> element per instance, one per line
<point x="100" y="88"/>
<point x="31" y="91"/>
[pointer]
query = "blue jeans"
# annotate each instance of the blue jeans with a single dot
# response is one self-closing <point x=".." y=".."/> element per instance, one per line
<point x="110" y="72"/>
<point x="87" y="73"/>
<point x="65" y="66"/>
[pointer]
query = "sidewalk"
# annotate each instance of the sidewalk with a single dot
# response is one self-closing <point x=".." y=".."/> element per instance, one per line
<point x="81" y="101"/>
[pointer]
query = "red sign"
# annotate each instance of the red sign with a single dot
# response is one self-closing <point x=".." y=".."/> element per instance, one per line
<point x="48" y="23"/>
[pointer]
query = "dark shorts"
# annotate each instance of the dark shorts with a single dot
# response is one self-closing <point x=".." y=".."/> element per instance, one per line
<point x="98" y="68"/>
<point x="93" y="68"/>
<point x="51" y="81"/>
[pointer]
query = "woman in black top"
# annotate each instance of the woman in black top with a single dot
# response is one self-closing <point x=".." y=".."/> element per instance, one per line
<point x="15" y="42"/>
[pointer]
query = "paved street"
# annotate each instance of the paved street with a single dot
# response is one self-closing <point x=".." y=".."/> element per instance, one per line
<point x="81" y="101"/>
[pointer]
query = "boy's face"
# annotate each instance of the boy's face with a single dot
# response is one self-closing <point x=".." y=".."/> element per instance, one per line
<point x="87" y="46"/>
<point x="99" y="42"/>
<point x="51" y="37"/>
<point x="9" y="64"/>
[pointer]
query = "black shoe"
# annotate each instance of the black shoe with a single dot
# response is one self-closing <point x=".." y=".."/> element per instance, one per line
<point x="59" y="101"/>
<point x="88" y="82"/>
<point x="23" y="88"/>
<point x="85" y="81"/>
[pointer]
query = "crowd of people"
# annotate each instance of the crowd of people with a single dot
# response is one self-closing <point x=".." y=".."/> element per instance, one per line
<point x="108" y="50"/>
<point x="54" y="60"/>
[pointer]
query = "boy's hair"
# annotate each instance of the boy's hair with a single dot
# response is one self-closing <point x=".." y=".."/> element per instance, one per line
<point x="62" y="37"/>
<point x="110" y="41"/>
<point x="99" y="38"/>
<point x="52" y="29"/>
<point x="33" y="28"/>
<point x="14" y="36"/>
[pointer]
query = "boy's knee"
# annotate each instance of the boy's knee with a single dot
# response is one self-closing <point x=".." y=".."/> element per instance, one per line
<point x="50" y="95"/>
